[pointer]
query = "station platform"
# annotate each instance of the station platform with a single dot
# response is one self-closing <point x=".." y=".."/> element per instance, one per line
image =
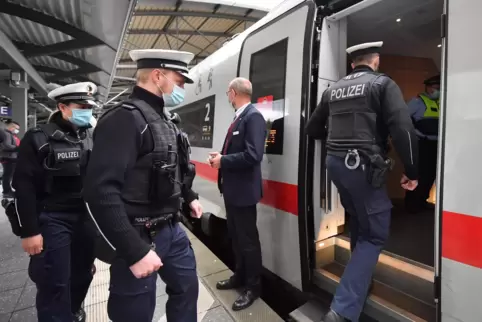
<point x="17" y="292"/>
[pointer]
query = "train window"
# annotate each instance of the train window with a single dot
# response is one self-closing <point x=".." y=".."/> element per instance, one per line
<point x="267" y="73"/>
<point x="197" y="120"/>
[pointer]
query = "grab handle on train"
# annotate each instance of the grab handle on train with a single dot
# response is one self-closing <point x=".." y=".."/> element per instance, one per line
<point x="328" y="200"/>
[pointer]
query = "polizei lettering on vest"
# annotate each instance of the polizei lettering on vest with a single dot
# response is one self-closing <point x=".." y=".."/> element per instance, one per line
<point x="347" y="92"/>
<point x="68" y="155"/>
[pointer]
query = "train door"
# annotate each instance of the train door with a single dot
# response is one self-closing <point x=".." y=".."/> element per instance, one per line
<point x="459" y="262"/>
<point x="277" y="60"/>
<point x="329" y="215"/>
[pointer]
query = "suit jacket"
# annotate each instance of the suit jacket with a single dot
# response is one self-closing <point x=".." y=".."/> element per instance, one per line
<point x="240" y="179"/>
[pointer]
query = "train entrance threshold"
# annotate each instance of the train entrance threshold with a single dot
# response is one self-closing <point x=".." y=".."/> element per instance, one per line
<point x="17" y="292"/>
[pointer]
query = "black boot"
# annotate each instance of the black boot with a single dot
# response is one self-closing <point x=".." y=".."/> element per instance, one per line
<point x="332" y="316"/>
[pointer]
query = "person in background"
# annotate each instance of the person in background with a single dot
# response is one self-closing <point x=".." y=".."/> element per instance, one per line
<point x="240" y="182"/>
<point x="424" y="110"/>
<point x="9" y="143"/>
<point x="48" y="183"/>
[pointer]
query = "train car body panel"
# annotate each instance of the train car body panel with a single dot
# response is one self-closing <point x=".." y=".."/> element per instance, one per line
<point x="461" y="241"/>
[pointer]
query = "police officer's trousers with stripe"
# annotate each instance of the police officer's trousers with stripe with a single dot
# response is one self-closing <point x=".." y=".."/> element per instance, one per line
<point x="134" y="300"/>
<point x="370" y="212"/>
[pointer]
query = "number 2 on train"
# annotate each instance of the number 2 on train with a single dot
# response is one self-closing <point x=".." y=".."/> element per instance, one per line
<point x="208" y="107"/>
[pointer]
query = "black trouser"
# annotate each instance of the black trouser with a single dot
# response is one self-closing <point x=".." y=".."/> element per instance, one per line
<point x="427" y="171"/>
<point x="63" y="271"/>
<point x="246" y="246"/>
<point x="8" y="170"/>
<point x="133" y="299"/>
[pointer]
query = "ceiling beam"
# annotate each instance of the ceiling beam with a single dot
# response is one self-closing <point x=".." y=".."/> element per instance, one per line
<point x="73" y="73"/>
<point x="61" y="47"/>
<point x="167" y="25"/>
<point x="12" y="57"/>
<point x="27" y="50"/>
<point x="216" y="8"/>
<point x="178" y="32"/>
<point x="233" y="27"/>
<point x="47" y="20"/>
<point x="193" y="14"/>
<point x="65" y="81"/>
<point x="119" y="51"/>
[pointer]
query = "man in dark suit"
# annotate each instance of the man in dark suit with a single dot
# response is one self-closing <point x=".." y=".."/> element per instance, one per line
<point x="240" y="182"/>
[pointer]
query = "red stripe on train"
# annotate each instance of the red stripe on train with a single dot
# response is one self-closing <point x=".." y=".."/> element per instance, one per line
<point x="283" y="196"/>
<point x="462" y="238"/>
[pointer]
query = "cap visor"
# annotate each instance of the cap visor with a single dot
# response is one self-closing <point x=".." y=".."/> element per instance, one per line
<point x="86" y="102"/>
<point x="188" y="79"/>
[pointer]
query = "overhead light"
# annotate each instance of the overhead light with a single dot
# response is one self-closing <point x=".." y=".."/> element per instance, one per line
<point x="439" y="45"/>
<point x="398" y="20"/>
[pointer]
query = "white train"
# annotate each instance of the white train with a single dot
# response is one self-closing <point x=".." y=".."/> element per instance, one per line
<point x="431" y="269"/>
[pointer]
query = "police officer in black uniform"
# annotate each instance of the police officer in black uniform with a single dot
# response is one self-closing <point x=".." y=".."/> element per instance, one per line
<point x="48" y="182"/>
<point x="135" y="182"/>
<point x="361" y="110"/>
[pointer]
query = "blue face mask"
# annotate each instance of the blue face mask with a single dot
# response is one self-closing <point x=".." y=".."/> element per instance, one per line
<point x="175" y="98"/>
<point x="81" y="118"/>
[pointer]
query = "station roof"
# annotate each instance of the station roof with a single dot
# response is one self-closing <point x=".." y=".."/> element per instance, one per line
<point x="61" y="42"/>
<point x="199" y="27"/>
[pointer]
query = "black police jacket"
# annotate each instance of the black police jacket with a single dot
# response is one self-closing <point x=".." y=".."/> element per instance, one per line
<point x="122" y="169"/>
<point x="51" y="164"/>
<point x="360" y="111"/>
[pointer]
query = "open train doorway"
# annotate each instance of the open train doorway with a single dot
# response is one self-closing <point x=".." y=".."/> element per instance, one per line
<point x="412" y="53"/>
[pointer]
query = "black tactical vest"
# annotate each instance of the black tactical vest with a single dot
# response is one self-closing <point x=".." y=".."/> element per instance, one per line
<point x="353" y="113"/>
<point x="65" y="163"/>
<point x="153" y="187"/>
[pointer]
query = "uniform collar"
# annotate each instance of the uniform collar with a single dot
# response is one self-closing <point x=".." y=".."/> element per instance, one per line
<point x="156" y="102"/>
<point x="240" y="110"/>
<point x="361" y="68"/>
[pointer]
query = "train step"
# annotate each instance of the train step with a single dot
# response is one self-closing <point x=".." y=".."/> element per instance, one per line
<point x="403" y="290"/>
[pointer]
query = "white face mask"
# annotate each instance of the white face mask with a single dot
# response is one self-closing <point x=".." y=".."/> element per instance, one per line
<point x="16" y="131"/>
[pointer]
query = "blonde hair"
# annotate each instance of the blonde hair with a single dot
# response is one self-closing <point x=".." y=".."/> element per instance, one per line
<point x="142" y="75"/>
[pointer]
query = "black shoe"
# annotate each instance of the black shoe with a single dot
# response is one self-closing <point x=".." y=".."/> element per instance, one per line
<point x="228" y="284"/>
<point x="332" y="316"/>
<point x="245" y="300"/>
<point x="80" y="316"/>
